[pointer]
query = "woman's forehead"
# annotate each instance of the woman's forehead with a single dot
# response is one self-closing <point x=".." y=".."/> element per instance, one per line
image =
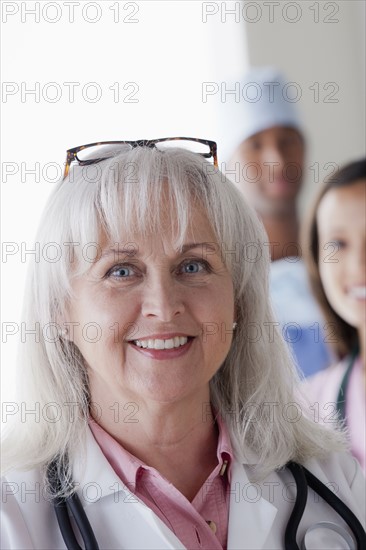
<point x="168" y="235"/>
<point x="342" y="206"/>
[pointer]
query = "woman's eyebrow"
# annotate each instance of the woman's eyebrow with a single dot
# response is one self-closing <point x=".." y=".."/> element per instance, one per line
<point x="117" y="252"/>
<point x="211" y="246"/>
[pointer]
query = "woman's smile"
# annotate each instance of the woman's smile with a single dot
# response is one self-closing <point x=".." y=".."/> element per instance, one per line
<point x="161" y="342"/>
<point x="163" y="347"/>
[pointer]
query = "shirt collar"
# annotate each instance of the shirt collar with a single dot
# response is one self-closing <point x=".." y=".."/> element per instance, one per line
<point x="224" y="449"/>
<point x="130" y="469"/>
<point x="125" y="464"/>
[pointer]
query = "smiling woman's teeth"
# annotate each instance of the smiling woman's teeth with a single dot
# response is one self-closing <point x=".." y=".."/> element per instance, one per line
<point x="358" y="292"/>
<point x="171" y="343"/>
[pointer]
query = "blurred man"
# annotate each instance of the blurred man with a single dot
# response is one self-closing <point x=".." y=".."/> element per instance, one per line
<point x="272" y="161"/>
<point x="265" y="148"/>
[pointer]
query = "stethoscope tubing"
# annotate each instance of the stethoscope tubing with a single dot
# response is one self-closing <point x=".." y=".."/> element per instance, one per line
<point x="304" y="479"/>
<point x="299" y="506"/>
<point x="339" y="506"/>
<point x="73" y="504"/>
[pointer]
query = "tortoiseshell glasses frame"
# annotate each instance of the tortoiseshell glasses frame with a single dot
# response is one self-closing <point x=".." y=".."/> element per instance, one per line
<point x="72" y="153"/>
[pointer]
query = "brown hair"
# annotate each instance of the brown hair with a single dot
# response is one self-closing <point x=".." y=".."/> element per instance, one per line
<point x="346" y="335"/>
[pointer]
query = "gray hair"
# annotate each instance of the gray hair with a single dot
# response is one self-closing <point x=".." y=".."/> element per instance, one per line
<point x="254" y="389"/>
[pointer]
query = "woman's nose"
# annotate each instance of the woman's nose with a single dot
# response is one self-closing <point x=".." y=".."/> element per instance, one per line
<point x="162" y="299"/>
<point x="357" y="260"/>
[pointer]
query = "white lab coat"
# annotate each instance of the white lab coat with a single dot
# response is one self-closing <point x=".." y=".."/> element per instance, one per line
<point x="258" y="512"/>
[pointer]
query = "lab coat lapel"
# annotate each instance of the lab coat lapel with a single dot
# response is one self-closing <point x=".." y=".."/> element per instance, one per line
<point x="94" y="475"/>
<point x="251" y="516"/>
<point x="123" y="504"/>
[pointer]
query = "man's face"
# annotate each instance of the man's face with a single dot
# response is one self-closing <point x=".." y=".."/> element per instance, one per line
<point x="270" y="168"/>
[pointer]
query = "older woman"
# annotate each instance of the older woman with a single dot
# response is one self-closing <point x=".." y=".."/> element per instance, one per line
<point x="162" y="395"/>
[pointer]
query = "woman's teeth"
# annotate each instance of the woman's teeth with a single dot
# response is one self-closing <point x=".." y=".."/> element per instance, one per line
<point x="358" y="292"/>
<point x="171" y="343"/>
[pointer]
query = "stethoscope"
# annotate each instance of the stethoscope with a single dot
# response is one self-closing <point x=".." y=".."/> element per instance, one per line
<point x="342" y="393"/>
<point x="341" y="539"/>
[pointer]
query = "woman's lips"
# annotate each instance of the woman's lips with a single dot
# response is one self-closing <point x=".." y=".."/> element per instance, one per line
<point x="163" y="348"/>
<point x="357" y="292"/>
<point x="169" y="342"/>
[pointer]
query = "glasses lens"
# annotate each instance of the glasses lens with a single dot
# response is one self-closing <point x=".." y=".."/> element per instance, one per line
<point x="190" y="145"/>
<point x="99" y="152"/>
<point x="96" y="153"/>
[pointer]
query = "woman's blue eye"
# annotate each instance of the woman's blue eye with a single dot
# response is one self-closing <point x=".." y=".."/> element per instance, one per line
<point x="193" y="267"/>
<point x="121" y="272"/>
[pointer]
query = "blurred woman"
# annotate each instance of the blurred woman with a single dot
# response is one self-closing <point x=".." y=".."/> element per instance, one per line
<point x="336" y="259"/>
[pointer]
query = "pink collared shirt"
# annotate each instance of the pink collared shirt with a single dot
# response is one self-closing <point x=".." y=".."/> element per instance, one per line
<point x="323" y="389"/>
<point x="202" y="523"/>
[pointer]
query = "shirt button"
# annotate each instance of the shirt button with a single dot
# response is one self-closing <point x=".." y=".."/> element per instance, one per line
<point x="212" y="526"/>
